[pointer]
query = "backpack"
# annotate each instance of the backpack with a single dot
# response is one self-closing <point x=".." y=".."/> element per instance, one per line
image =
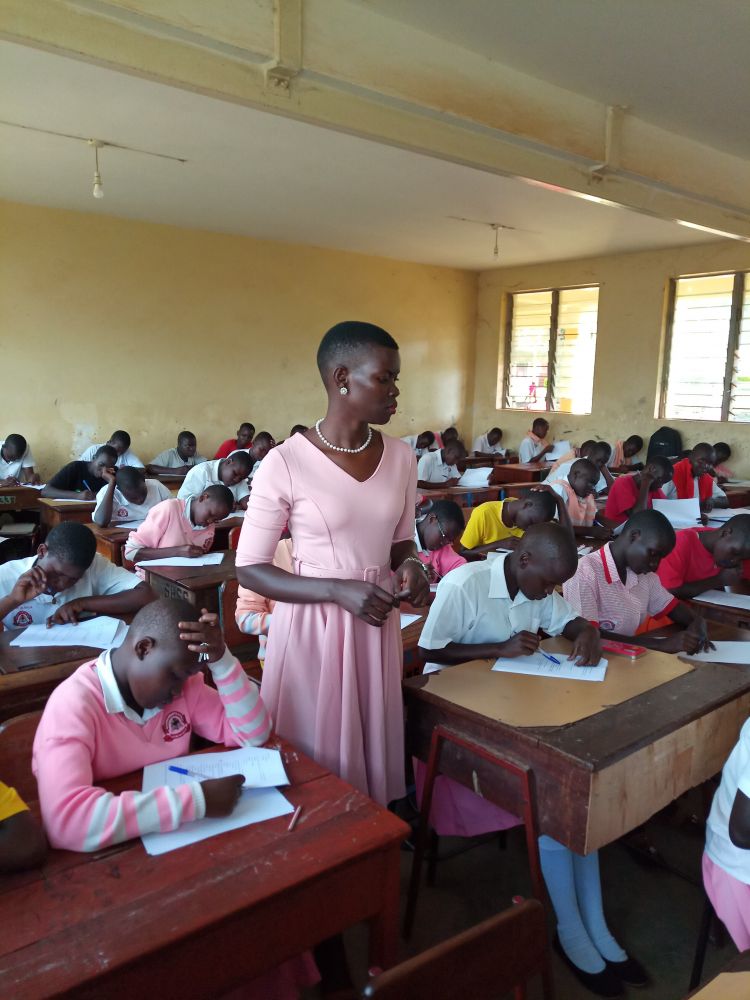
<point x="667" y="442"/>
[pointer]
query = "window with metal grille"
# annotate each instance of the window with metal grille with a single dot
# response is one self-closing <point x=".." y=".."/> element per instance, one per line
<point x="550" y="349"/>
<point x="707" y="374"/>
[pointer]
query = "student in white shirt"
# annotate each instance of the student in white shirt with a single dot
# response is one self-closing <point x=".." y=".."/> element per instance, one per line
<point x="120" y="441"/>
<point x="491" y="609"/>
<point x="421" y="443"/>
<point x="489" y="443"/>
<point x="16" y="461"/>
<point x="66" y="578"/>
<point x="534" y="446"/>
<point x="597" y="452"/>
<point x="232" y="472"/>
<point x="128" y="496"/>
<point x="438" y="468"/>
<point x="177" y="461"/>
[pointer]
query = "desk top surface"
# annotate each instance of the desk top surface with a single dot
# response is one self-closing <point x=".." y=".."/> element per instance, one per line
<point x="63" y="505"/>
<point x="197" y="576"/>
<point x="14" y="659"/>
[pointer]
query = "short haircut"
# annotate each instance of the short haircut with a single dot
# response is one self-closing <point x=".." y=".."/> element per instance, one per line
<point x="740" y="525"/>
<point x="551" y="540"/>
<point x="264" y="437"/>
<point x="587" y="445"/>
<point x="220" y="492"/>
<point x="185" y="436"/>
<point x="242" y="459"/>
<point x="455" y="443"/>
<point x="130" y="477"/>
<point x="298" y="429"/>
<point x="661" y="462"/>
<point x="246" y="423"/>
<point x="602" y="448"/>
<point x="345" y="340"/>
<point x="18" y="443"/>
<point x="720" y="446"/>
<point x="542" y="499"/>
<point x="108" y="451"/>
<point x="635" y="439"/>
<point x="161" y="618"/>
<point x="584" y="465"/>
<point x="702" y="446"/>
<point x="538" y="421"/>
<point x="73" y="543"/>
<point x="495" y="430"/>
<point x="429" y="435"/>
<point x="447" y="512"/>
<point x="120" y="437"/>
<point x="652" y="524"/>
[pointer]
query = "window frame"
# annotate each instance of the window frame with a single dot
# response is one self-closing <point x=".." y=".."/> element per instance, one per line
<point x="735" y="323"/>
<point x="551" y="354"/>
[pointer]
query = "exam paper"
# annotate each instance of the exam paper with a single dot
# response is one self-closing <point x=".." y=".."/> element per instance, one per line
<point x="407" y="620"/>
<point x="724" y="598"/>
<point x="254" y="806"/>
<point x="680" y="513"/>
<point x="209" y="559"/>
<point x="540" y="666"/>
<point x="559" y="448"/>
<point x="260" y="767"/>
<point x="69" y="500"/>
<point x="101" y="633"/>
<point x="725" y="513"/>
<point x="475" y="477"/>
<point x="725" y="652"/>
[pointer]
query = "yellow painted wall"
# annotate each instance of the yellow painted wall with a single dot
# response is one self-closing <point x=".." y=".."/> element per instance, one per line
<point x="111" y="323"/>
<point x="629" y="343"/>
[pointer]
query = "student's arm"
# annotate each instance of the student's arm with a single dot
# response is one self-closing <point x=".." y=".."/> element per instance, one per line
<point x="29" y="585"/>
<point x="125" y="602"/>
<point x="724" y="578"/>
<point x="58" y="488"/>
<point x="587" y="650"/>
<point x="592" y="531"/>
<point x="739" y="821"/>
<point x="563" y="515"/>
<point x="167" y="470"/>
<point x="501" y="545"/>
<point x="538" y="458"/>
<point x="608" y="478"/>
<point x="102" y="514"/>
<point x="184" y="551"/>
<point x="520" y="644"/>
<point x="22" y="843"/>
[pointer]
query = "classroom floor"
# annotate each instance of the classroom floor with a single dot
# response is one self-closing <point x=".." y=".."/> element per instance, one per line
<point x="652" y="911"/>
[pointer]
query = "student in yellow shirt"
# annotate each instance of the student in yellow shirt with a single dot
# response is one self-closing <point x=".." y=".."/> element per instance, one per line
<point x="22" y="843"/>
<point x="498" y="523"/>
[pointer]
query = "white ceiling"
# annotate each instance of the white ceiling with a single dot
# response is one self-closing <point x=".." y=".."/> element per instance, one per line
<point x="679" y="64"/>
<point x="260" y="175"/>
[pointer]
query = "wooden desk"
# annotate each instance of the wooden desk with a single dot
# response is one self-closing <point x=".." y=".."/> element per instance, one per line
<point x="734" y="617"/>
<point x="519" y="472"/>
<point x="738" y="496"/>
<point x="172" y="482"/>
<point x="740" y="964"/>
<point x="199" y="585"/>
<point x="410" y="635"/>
<point x="27" y="676"/>
<point x="223" y="529"/>
<point x="484" y="461"/>
<point x="56" y="512"/>
<point x="110" y="542"/>
<point x="14" y="498"/>
<point x="205" y="919"/>
<point x="464" y="496"/>
<point x="600" y="777"/>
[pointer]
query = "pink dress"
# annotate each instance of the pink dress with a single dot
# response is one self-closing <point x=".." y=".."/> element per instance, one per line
<point x="331" y="682"/>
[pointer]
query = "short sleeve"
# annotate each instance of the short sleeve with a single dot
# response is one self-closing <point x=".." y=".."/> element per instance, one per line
<point x="449" y="617"/>
<point x="617" y="501"/>
<point x="11" y="802"/>
<point x="660" y="601"/>
<point x="670" y="490"/>
<point x="28" y="460"/>
<point x="581" y="594"/>
<point x="268" y="511"/>
<point x="89" y="453"/>
<point x="147" y="535"/>
<point x="64" y="479"/>
<point x="672" y="569"/>
<point x="716" y="491"/>
<point x="192" y="483"/>
<point x="560" y="490"/>
<point x="95" y="516"/>
<point x="405" y="527"/>
<point x="133" y="461"/>
<point x="161" y="491"/>
<point x="477" y="445"/>
<point x="473" y="533"/>
<point x="424" y="469"/>
<point x="108" y="579"/>
<point x="556" y="614"/>
<point x="161" y="459"/>
<point x="525" y="451"/>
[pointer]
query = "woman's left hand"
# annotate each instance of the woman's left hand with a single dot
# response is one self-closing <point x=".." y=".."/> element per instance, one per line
<point x="412" y="584"/>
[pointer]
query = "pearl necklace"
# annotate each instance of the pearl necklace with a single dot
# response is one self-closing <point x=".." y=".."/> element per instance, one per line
<point x="333" y="447"/>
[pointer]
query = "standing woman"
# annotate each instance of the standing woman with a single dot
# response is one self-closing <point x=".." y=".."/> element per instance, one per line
<point x="332" y="674"/>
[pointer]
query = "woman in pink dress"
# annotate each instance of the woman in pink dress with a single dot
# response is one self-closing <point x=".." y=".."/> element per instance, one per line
<point x="332" y="674"/>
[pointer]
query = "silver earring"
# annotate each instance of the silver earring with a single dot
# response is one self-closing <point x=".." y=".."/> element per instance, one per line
<point x="343" y="390"/>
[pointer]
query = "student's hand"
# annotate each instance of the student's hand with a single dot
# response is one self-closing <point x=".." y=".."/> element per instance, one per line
<point x="29" y="585"/>
<point x="10" y="481"/>
<point x="242" y="504"/>
<point x="36" y="479"/>
<point x="204" y="636"/>
<point x="448" y="482"/>
<point x="222" y="794"/>
<point x="520" y="644"/>
<point x="182" y="471"/>
<point x="108" y="475"/>
<point x="86" y="495"/>
<point x="693" y="639"/>
<point x="730" y="576"/>
<point x="587" y="650"/>
<point x="364" y="600"/>
<point x="707" y="505"/>
<point x="599" y="531"/>
<point x="413" y="583"/>
<point x="67" y="614"/>
<point x="191" y="551"/>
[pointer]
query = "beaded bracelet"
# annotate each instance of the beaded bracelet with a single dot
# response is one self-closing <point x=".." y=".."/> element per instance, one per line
<point x="419" y="563"/>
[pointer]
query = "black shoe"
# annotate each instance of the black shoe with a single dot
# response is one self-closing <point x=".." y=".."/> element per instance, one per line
<point x="605" y="983"/>
<point x="630" y="971"/>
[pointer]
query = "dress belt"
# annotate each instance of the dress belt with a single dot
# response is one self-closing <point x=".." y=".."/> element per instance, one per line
<point x="369" y="574"/>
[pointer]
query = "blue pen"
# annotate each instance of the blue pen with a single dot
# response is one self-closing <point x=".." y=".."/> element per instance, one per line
<point x="552" y="659"/>
<point x="87" y="486"/>
<point x="186" y="771"/>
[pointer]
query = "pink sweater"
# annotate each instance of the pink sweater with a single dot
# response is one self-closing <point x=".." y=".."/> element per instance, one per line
<point x="79" y="743"/>
<point x="166" y="525"/>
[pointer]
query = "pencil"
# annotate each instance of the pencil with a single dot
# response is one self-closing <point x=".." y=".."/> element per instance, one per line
<point x="293" y="821"/>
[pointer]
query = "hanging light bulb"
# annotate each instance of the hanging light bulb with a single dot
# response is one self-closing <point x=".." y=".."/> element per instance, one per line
<point x="97" y="190"/>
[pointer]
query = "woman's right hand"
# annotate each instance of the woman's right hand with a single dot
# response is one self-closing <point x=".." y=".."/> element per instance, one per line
<point x="364" y="600"/>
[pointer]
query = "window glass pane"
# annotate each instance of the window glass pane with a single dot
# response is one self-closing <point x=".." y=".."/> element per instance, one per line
<point x="575" y="350"/>
<point x="698" y="354"/>
<point x="739" y="406"/>
<point x="529" y="351"/>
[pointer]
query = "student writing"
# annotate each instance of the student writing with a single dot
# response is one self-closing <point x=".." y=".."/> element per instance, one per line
<point x="577" y="492"/>
<point x="438" y="468"/>
<point x="128" y="496"/>
<point x="17" y="464"/>
<point x="637" y="491"/>
<point x="692" y="477"/>
<point x="177" y="461"/>
<point x="120" y="441"/>
<point x="231" y="472"/>
<point x="498" y="524"/>
<point x="706" y="558"/>
<point x="244" y="438"/>
<point x="83" y="480"/>
<point x="534" y="446"/>
<point x="435" y="531"/>
<point x="489" y="444"/>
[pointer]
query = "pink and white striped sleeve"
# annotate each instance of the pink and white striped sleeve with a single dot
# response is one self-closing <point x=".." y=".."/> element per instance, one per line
<point x="246" y="721"/>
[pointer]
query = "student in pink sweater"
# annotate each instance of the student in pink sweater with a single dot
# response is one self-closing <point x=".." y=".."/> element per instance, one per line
<point x="253" y="612"/>
<point x="180" y="527"/>
<point x="437" y="526"/>
<point x="135" y="705"/>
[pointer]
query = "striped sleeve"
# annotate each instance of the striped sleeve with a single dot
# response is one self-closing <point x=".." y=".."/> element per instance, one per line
<point x="660" y="601"/>
<point x="581" y="593"/>
<point x="245" y="714"/>
<point x="253" y="623"/>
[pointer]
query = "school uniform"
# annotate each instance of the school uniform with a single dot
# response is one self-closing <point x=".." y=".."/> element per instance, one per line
<point x="582" y="510"/>
<point x="11" y="802"/>
<point x="702" y="487"/>
<point x="486" y="525"/>
<point x="12" y="470"/>
<point x="530" y="447"/>
<point x="76" y="478"/>
<point x="562" y="471"/>
<point x="688" y="561"/>
<point x="207" y="474"/>
<point x="432" y="469"/>
<point x="442" y="560"/>
<point x="411" y="440"/>
<point x="726" y="868"/>
<point x="127" y="458"/>
<point x="623" y="496"/>
<point x="254" y="612"/>
<point x="598" y="594"/>
<point x="101" y="579"/>
<point x="167" y="526"/>
<point x="124" y="510"/>
<point x="482" y="445"/>
<point x="226" y="448"/>
<point x="171" y="459"/>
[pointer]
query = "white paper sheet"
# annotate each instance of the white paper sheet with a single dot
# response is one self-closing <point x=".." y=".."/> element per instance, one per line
<point x="69" y="500"/>
<point x="680" y="513"/>
<point x="27" y="486"/>
<point x="726" y="652"/>
<point x="725" y="514"/>
<point x="539" y="666"/>
<point x="584" y="550"/>
<point x="209" y="559"/>
<point x="131" y="525"/>
<point x="559" y="449"/>
<point x="475" y="477"/>
<point x="255" y="806"/>
<point x="261" y="768"/>
<point x="407" y="620"/>
<point x="101" y="633"/>
<point x="724" y="598"/>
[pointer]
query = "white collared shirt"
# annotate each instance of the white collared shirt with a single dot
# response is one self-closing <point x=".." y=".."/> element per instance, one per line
<point x="12" y="470"/>
<point x="561" y="472"/>
<point x="482" y="445"/>
<point x="670" y="490"/>
<point x="432" y="469"/>
<point x="207" y="474"/>
<point x="472" y="605"/>
<point x="171" y="459"/>
<point x="113" y="699"/>
<point x="127" y="458"/>
<point x="123" y="509"/>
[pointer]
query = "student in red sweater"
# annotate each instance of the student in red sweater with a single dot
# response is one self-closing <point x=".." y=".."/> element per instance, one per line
<point x="693" y="477"/>
<point x="245" y="435"/>
<point x="706" y="558"/>
<point x="637" y="491"/>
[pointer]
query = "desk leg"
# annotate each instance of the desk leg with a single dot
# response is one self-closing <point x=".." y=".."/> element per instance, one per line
<point x="384" y="925"/>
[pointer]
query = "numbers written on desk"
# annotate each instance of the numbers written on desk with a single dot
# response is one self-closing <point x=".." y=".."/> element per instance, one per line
<point x="7" y="498"/>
